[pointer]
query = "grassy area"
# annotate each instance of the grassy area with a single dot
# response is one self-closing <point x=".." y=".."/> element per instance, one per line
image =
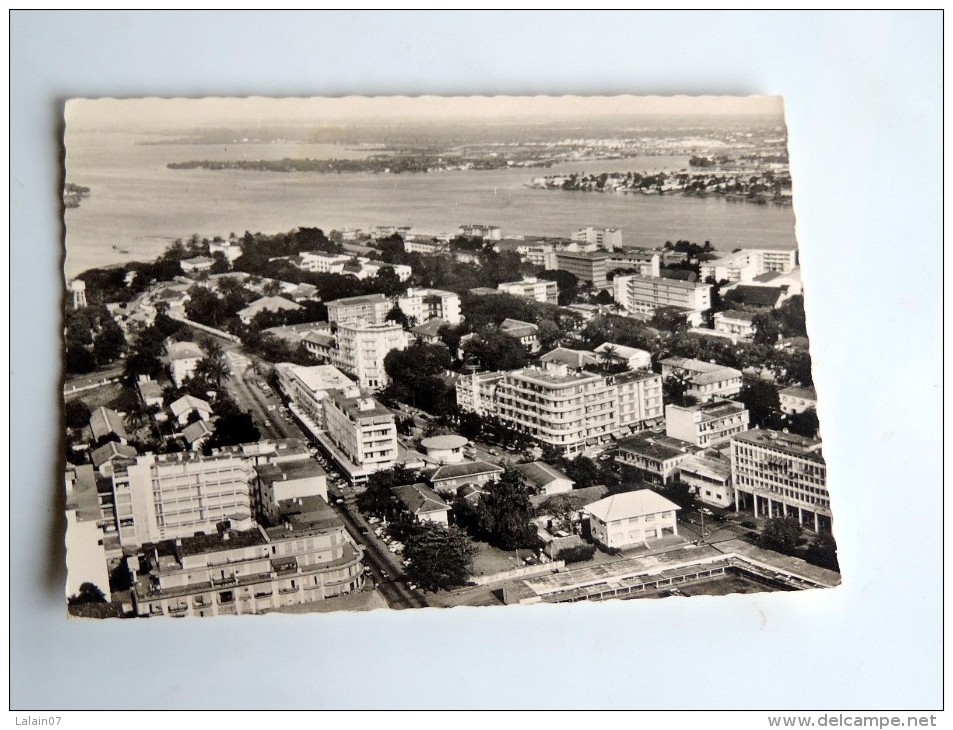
<point x="489" y="560"/>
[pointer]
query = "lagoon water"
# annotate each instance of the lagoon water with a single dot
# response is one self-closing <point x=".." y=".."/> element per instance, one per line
<point x="137" y="204"/>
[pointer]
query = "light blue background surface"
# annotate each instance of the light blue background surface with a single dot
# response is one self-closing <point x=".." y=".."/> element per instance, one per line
<point x="863" y="95"/>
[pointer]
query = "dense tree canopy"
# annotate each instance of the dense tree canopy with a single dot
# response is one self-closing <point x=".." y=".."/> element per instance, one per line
<point x="441" y="558"/>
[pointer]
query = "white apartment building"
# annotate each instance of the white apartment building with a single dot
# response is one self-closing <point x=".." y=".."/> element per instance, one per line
<point x="361" y="349"/>
<point x="476" y="392"/>
<point x="542" y="254"/>
<point x="706" y="424"/>
<point x="567" y="410"/>
<point x="170" y="496"/>
<point x="707" y="380"/>
<point x="370" y="309"/>
<point x="630" y="519"/>
<point x="427" y="246"/>
<point x="426" y="304"/>
<point x="638" y="399"/>
<point x="744" y="265"/>
<point x="642" y="295"/>
<point x="364" y="268"/>
<point x="541" y="290"/>
<point x="309" y="557"/>
<point x="321" y="262"/>
<point x="633" y="357"/>
<point x="479" y="230"/>
<point x="709" y="477"/>
<point x="605" y="237"/>
<point x="641" y="261"/>
<point x="781" y="474"/>
<point x="307" y="387"/>
<point x="797" y="399"/>
<point x="359" y="433"/>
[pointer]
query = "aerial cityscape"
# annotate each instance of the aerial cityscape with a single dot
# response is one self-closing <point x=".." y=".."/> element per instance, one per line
<point x="353" y="354"/>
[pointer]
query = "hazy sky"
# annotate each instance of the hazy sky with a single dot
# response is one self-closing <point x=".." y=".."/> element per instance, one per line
<point x="155" y="113"/>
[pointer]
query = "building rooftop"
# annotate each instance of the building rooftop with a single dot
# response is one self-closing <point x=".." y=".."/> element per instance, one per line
<point x="202" y="543"/>
<point x="187" y="403"/>
<point x="360" y="407"/>
<point x="713" y="410"/>
<point x="430" y="328"/>
<point x="540" y="473"/>
<point x="303" y="516"/>
<point x="797" y="391"/>
<point x="630" y="504"/>
<point x="149" y="388"/>
<point x="660" y="448"/>
<point x="196" y="431"/>
<point x="633" y="375"/>
<point x="704" y="372"/>
<point x="449" y="441"/>
<point x="466" y="469"/>
<point x="113" y="450"/>
<point x="420" y="499"/>
<point x="105" y="421"/>
<point x="789" y="442"/>
<point x="83" y="494"/>
<point x="659" y="281"/>
<point x="756" y="296"/>
<point x="707" y="466"/>
<point x="572" y="358"/>
<point x="184" y="351"/>
<point x="517" y="328"/>
<point x="268" y="304"/>
<point x="318" y="378"/>
<point x="622" y="351"/>
<point x="285" y="470"/>
<point x="553" y="377"/>
<point x="737" y="314"/>
<point x="363" y="299"/>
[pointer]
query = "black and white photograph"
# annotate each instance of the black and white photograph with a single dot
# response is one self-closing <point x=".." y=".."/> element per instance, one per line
<point x="361" y="353"/>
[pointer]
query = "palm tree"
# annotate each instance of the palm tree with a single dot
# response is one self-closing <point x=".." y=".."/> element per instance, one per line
<point x="212" y="368"/>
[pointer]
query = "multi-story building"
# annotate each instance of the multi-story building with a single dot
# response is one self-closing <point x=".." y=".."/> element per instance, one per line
<point x="737" y="324"/>
<point x="307" y="387"/>
<point x="639" y="261"/>
<point x="308" y="557"/>
<point x="476" y="393"/>
<point x="170" y="496"/>
<point x="630" y="519"/>
<point x="361" y="349"/>
<point x="428" y="246"/>
<point x="86" y="560"/>
<point x="359" y="433"/>
<point x="277" y="482"/>
<point x="781" y="475"/>
<point x="370" y="309"/>
<point x="709" y="478"/>
<point x="541" y="254"/>
<point x="563" y="409"/>
<point x="706" y="380"/>
<point x="426" y="304"/>
<point x="642" y="295"/>
<point x="321" y="262"/>
<point x="588" y="266"/>
<point x="183" y="358"/>
<point x="541" y="290"/>
<point x="606" y="237"/>
<point x="773" y="260"/>
<point x="706" y="424"/>
<point x="364" y="268"/>
<point x="479" y="230"/>
<point x="797" y="399"/>
<point x="733" y="267"/>
<point x="656" y="456"/>
<point x="526" y="332"/>
<point x="638" y="399"/>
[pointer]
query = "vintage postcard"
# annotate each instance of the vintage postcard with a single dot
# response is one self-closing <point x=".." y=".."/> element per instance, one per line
<point x="358" y="353"/>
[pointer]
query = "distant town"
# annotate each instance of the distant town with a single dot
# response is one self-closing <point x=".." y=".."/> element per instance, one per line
<point x="358" y="419"/>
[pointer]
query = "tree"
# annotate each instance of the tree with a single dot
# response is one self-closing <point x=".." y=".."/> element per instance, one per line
<point x="782" y="534"/>
<point x="396" y="314"/>
<point x="823" y="552"/>
<point x="88" y="593"/>
<point x="803" y="424"/>
<point x="506" y="513"/>
<point x="549" y="334"/>
<point x="441" y="558"/>
<point x="791" y="317"/>
<point x="378" y="499"/>
<point x="76" y="414"/>
<point x="496" y="350"/>
<point x="212" y="368"/>
<point x="767" y="329"/>
<point x="675" y="389"/>
<point x="761" y="399"/>
<point x="109" y="343"/>
<point x="669" y="319"/>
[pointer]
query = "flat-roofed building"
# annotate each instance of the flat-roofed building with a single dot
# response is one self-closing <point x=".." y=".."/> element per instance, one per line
<point x="735" y="267"/>
<point x="709" y="478"/>
<point x="706" y="380"/>
<point x="425" y="304"/>
<point x="638" y="396"/>
<point x="481" y="230"/>
<point x="565" y="409"/>
<point x="361" y="349"/>
<point x="636" y="261"/>
<point x="307" y="387"/>
<point x="631" y="519"/>
<point x="530" y="287"/>
<point x="307" y="557"/>
<point x="427" y="246"/>
<point x="321" y="262"/>
<point x="541" y="254"/>
<point x="781" y="474"/>
<point x="476" y="392"/>
<point x="657" y="457"/>
<point x="277" y="482"/>
<point x="706" y="424"/>
<point x="606" y="237"/>
<point x="643" y="295"/>
<point x="170" y="496"/>
<point x="588" y="266"/>
<point x="86" y="560"/>
<point x="359" y="433"/>
<point x="369" y="309"/>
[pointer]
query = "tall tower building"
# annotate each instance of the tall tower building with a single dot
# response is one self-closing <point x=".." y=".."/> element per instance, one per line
<point x="78" y="287"/>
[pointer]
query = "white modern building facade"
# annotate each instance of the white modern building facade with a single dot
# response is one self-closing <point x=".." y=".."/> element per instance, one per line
<point x="642" y="295"/>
